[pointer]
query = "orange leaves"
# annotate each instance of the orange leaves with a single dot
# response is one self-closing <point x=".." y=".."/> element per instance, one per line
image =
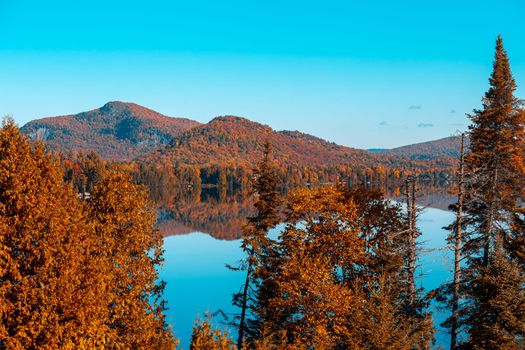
<point x="336" y="274"/>
<point x="205" y="338"/>
<point x="64" y="267"/>
<point x="42" y="247"/>
<point x="124" y="222"/>
<point x="329" y="220"/>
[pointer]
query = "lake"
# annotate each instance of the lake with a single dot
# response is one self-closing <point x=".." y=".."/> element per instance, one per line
<point x="198" y="281"/>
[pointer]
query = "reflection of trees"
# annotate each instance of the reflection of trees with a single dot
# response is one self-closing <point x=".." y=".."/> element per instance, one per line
<point x="221" y="216"/>
<point x="438" y="197"/>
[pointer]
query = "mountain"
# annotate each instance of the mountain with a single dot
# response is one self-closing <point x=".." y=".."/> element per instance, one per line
<point x="117" y="130"/>
<point x="239" y="141"/>
<point x="125" y="131"/>
<point x="442" y="148"/>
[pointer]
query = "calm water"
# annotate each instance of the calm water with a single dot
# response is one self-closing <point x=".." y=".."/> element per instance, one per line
<point x="198" y="281"/>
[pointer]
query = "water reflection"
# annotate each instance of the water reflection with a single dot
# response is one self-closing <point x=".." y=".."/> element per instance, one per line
<point x="222" y="216"/>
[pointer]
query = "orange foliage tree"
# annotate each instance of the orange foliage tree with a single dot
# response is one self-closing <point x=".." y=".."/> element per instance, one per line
<point x="75" y="274"/>
<point x="205" y="338"/>
<point x="49" y="293"/>
<point x="337" y="275"/>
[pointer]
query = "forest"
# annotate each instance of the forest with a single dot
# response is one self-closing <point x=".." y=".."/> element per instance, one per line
<point x="80" y="246"/>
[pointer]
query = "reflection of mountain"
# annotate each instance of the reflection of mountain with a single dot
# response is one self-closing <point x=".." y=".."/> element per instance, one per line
<point x="220" y="219"/>
<point x="223" y="219"/>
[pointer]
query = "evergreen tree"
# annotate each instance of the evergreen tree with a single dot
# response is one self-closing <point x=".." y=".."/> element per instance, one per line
<point x="75" y="274"/>
<point x="494" y="282"/>
<point x="257" y="245"/>
<point x="449" y="293"/>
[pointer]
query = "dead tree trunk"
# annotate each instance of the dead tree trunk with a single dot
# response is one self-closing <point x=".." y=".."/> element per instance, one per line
<point x="491" y="218"/>
<point x="458" y="237"/>
<point x="411" y="249"/>
<point x="244" y="306"/>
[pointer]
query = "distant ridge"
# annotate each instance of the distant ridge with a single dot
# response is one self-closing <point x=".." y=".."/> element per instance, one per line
<point x="445" y="147"/>
<point x="117" y="130"/>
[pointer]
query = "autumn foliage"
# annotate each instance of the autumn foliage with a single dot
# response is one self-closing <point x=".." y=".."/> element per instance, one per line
<point x="75" y="274"/>
<point x="488" y="293"/>
<point x="206" y="338"/>
<point x="337" y="275"/>
<point x="79" y="249"/>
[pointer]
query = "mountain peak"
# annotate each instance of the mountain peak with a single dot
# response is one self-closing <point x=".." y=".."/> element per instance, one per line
<point x="117" y="130"/>
<point x="117" y="106"/>
<point x="233" y="119"/>
<point x="120" y="109"/>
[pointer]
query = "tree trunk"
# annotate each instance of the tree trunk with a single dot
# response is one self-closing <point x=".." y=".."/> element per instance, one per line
<point x="244" y="305"/>
<point x="457" y="247"/>
<point x="489" y="225"/>
<point x="411" y="263"/>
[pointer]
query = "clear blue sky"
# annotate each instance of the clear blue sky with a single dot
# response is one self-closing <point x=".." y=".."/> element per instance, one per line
<point x="360" y="73"/>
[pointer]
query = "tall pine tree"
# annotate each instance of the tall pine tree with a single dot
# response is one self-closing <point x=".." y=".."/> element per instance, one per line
<point x="258" y="246"/>
<point x="494" y="282"/>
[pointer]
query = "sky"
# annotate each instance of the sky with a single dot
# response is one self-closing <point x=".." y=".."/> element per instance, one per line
<point x="364" y="74"/>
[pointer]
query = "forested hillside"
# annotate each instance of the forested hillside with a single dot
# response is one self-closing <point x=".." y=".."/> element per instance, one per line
<point x="116" y="131"/>
<point x="236" y="140"/>
<point x="167" y="153"/>
<point x="223" y="151"/>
